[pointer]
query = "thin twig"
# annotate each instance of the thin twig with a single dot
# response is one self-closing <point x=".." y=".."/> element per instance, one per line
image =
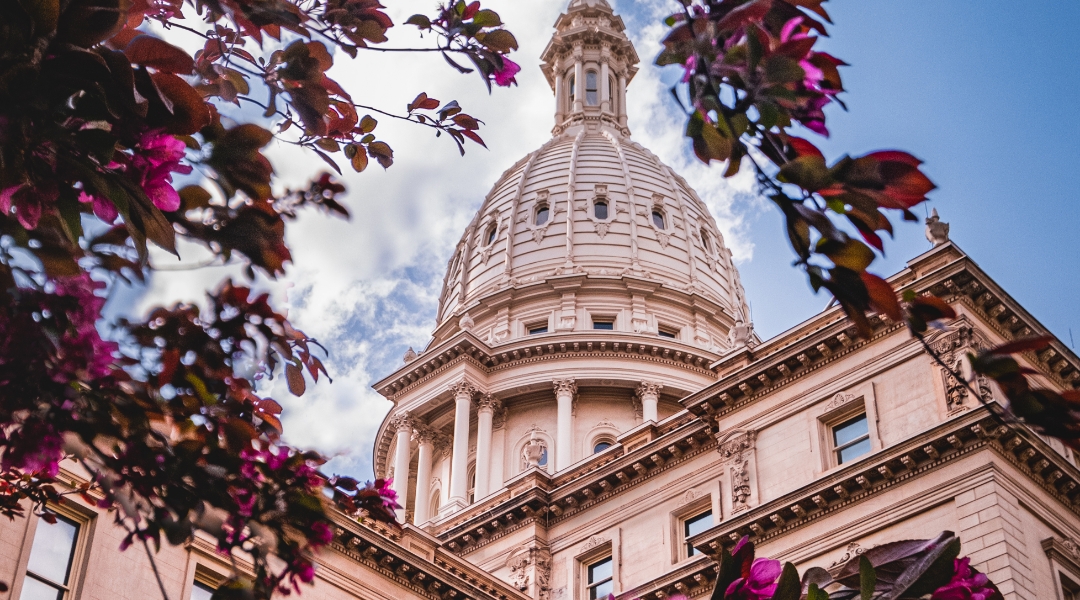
<point x="157" y="574"/>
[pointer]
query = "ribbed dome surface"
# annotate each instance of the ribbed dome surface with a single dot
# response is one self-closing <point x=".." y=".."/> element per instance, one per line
<point x="505" y="244"/>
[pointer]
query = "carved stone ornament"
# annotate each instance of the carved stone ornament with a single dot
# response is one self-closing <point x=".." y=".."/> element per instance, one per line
<point x="839" y="400"/>
<point x="853" y="550"/>
<point x="466" y="322"/>
<point x="689" y="497"/>
<point x="663" y="238"/>
<point x="735" y="445"/>
<point x="594" y="542"/>
<point x="635" y="404"/>
<point x="564" y="386"/>
<point x="533" y="451"/>
<point x="423" y="434"/>
<point x="402" y="422"/>
<point x="463" y="388"/>
<point x="410" y="355"/>
<point x="489" y="401"/>
<point x="648" y="388"/>
<point x="937" y="231"/>
<point x="953" y="348"/>
<point x="498" y="420"/>
<point x="740" y="486"/>
<point x="530" y="572"/>
<point x="602" y="228"/>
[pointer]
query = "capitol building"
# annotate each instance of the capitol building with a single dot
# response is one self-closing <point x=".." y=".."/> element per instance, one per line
<point x="595" y="414"/>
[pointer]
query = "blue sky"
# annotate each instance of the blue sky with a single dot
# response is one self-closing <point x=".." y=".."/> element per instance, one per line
<point x="986" y="98"/>
<point x="987" y="94"/>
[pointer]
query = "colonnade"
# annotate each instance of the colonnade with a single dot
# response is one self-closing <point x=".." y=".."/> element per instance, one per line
<point x="465" y="393"/>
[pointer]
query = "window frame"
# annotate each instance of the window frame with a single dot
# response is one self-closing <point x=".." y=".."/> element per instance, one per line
<point x="491" y="234"/>
<point x="84" y="520"/>
<point x="686" y="521"/>
<point x="838" y="449"/>
<point x="588" y="565"/>
<point x="666" y="332"/>
<point x="536" y="214"/>
<point x="595" y="89"/>
<point x="658" y="212"/>
<point x="1063" y="566"/>
<point x="699" y="505"/>
<point x="836" y="408"/>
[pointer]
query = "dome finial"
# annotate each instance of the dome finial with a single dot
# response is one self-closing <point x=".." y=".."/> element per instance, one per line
<point x="937" y="231"/>
<point x="588" y="64"/>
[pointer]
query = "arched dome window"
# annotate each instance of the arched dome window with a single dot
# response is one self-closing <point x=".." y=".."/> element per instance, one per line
<point x="472" y="483"/>
<point x="658" y="219"/>
<point x="436" y="499"/>
<point x="600" y="210"/>
<point x="592" y="96"/>
<point x="706" y="242"/>
<point x="611" y="94"/>
<point x="489" y="237"/>
<point x="543" y="213"/>
<point x="570" y="88"/>
<point x="602" y="443"/>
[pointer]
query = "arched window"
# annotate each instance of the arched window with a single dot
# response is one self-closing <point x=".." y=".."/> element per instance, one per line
<point x="435" y="503"/>
<point x="492" y="231"/>
<point x="592" y="96"/>
<point x="601" y="444"/>
<point x="658" y="219"/>
<point x="472" y="483"/>
<point x="543" y="213"/>
<point x="600" y="210"/>
<point x="611" y="95"/>
<point x="570" y="88"/>
<point x="543" y="458"/>
<point x="705" y="243"/>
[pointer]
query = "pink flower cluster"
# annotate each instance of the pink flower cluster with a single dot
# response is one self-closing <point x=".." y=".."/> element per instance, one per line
<point x="152" y="163"/>
<point x="506" y="75"/>
<point x="966" y="584"/>
<point x="761" y="583"/>
<point x="81" y="347"/>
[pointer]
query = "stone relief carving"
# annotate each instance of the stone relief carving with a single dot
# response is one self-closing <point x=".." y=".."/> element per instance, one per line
<point x="839" y="400"/>
<point x="489" y="401"/>
<point x="853" y="550"/>
<point x="465" y="322"/>
<point x="498" y="420"/>
<point x="403" y="421"/>
<point x="594" y="542"/>
<point x="740" y="486"/>
<point x="735" y="445"/>
<point x="663" y="238"/>
<point x="463" y="387"/>
<point x="689" y="497"/>
<point x="953" y="348"/>
<point x="410" y="355"/>
<point x="635" y="403"/>
<point x="530" y="571"/>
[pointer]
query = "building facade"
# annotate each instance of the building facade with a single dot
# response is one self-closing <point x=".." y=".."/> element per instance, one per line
<point x="595" y="414"/>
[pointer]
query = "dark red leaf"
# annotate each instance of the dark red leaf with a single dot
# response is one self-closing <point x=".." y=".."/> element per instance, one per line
<point x="149" y="51"/>
<point x="1024" y="345"/>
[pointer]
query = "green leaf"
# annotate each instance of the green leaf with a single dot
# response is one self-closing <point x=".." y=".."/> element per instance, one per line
<point x="781" y="69"/>
<point x="852" y="254"/>
<point x="367" y="124"/>
<point x="70" y="216"/>
<point x="815" y="593"/>
<point x="788" y="587"/>
<point x="487" y="18"/>
<point x="499" y="40"/>
<point x="808" y="172"/>
<point x="867" y="578"/>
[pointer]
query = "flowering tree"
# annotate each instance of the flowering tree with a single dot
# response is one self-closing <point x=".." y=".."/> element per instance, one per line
<point x="103" y="115"/>
<point x="751" y="76"/>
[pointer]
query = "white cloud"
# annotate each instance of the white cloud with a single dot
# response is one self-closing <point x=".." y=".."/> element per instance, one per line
<point x="368" y="288"/>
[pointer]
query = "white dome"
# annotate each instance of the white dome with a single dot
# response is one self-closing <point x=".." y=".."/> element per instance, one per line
<point x="656" y="229"/>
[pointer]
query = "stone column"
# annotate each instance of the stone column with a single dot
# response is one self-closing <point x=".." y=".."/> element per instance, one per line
<point x="564" y="431"/>
<point x="579" y="84"/>
<point x="560" y="102"/>
<point x="425" y="438"/>
<point x="459" y="462"/>
<point x="605" y="97"/>
<point x="649" y="392"/>
<point x="403" y="424"/>
<point x="488" y="404"/>
<point x="622" y="99"/>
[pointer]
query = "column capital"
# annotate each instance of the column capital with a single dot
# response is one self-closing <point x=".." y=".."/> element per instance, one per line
<point x="402" y="422"/>
<point x="425" y="434"/>
<point x="648" y="388"/>
<point x="565" y="386"/>
<point x="489" y="401"/>
<point x="463" y="387"/>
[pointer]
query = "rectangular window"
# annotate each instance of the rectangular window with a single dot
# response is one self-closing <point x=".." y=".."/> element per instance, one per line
<point x="535" y="329"/>
<point x="600" y="579"/>
<point x="607" y="325"/>
<point x="201" y="591"/>
<point x="51" y="556"/>
<point x="851" y="439"/>
<point x="1070" y="590"/>
<point x="667" y="333"/>
<point x="693" y="526"/>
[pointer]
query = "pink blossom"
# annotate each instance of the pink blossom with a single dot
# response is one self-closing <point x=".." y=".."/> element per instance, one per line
<point x="34" y="447"/>
<point x="28" y="202"/>
<point x="966" y="584"/>
<point x="157" y="157"/>
<point x="505" y="75"/>
<point x="389" y="496"/>
<point x="688" y="68"/>
<point x="321" y="534"/>
<point x="81" y="348"/>
<point x="102" y="207"/>
<point x="760" y="585"/>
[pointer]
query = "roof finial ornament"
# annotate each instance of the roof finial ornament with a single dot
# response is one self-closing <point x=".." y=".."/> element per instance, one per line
<point x="937" y="231"/>
<point x="742" y="332"/>
<point x="410" y="355"/>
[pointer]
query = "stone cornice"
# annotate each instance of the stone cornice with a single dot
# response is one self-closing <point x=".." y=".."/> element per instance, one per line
<point x="975" y="430"/>
<point x="537" y="498"/>
<point x="438" y="576"/>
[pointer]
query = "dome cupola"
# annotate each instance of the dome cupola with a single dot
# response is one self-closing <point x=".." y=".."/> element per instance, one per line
<point x="592" y="230"/>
